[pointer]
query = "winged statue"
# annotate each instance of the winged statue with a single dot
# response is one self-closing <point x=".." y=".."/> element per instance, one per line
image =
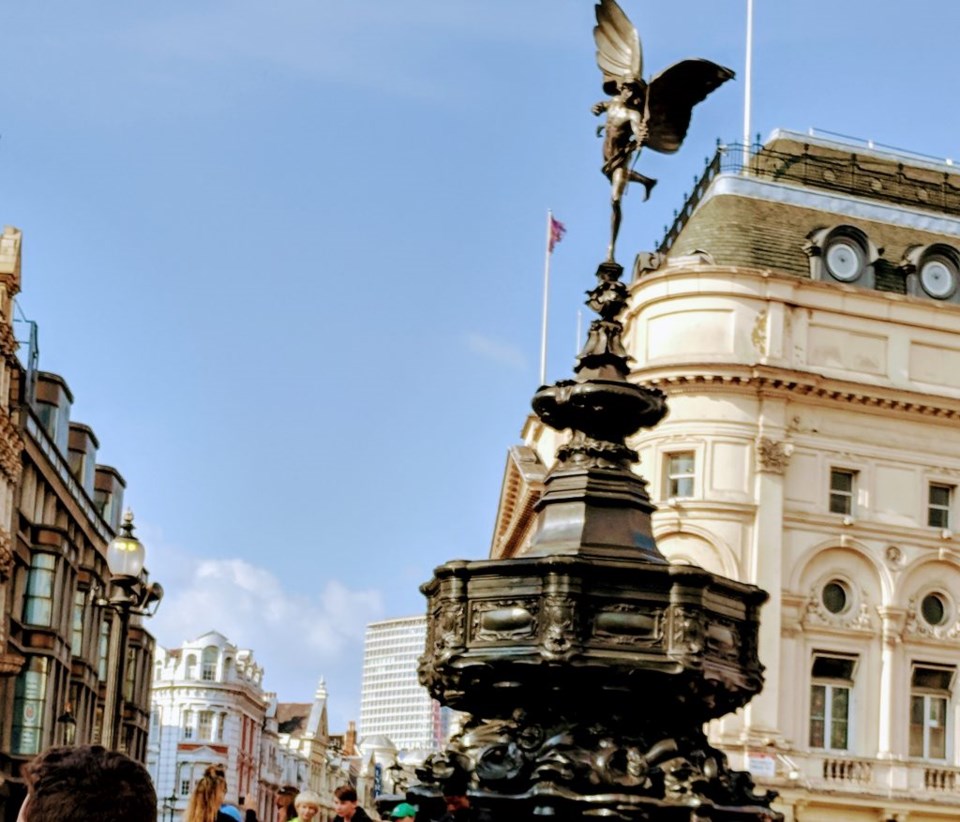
<point x="654" y="114"/>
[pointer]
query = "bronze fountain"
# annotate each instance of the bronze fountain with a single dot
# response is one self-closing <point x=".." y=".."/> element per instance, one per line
<point x="588" y="665"/>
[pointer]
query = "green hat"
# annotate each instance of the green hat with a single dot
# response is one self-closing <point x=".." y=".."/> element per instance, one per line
<point x="402" y="810"/>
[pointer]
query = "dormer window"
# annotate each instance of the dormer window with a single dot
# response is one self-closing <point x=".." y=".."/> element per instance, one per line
<point x="933" y="272"/>
<point x="842" y="254"/>
<point x="844" y="259"/>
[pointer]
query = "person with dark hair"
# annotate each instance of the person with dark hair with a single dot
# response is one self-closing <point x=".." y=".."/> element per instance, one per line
<point x="457" y="802"/>
<point x="286" y="812"/>
<point x="345" y="804"/>
<point x="85" y="782"/>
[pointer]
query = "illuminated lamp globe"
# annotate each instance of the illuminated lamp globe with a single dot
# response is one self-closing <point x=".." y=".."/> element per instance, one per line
<point x="126" y="554"/>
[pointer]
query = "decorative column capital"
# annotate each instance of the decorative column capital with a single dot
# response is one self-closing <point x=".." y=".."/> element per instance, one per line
<point x="773" y="456"/>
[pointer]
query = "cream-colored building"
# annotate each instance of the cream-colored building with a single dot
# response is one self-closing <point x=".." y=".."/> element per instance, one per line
<point x="803" y="316"/>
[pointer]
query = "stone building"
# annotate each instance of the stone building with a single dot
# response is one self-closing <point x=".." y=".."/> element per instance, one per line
<point x="59" y="510"/>
<point x="304" y="730"/>
<point x="803" y="316"/>
<point x="208" y="707"/>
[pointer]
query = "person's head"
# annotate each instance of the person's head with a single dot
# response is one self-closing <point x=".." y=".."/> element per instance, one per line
<point x="285" y="797"/>
<point x="345" y="801"/>
<point x="455" y="793"/>
<point x="85" y="782"/>
<point x="404" y="812"/>
<point x="307" y="804"/>
<point x="208" y="795"/>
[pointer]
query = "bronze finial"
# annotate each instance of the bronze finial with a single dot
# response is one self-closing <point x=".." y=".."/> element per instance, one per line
<point x="655" y="114"/>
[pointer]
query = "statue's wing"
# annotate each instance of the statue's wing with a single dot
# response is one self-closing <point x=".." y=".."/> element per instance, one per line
<point x="671" y="96"/>
<point x="619" y="55"/>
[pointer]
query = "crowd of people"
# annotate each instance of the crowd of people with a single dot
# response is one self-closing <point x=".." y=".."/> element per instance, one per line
<point x="87" y="782"/>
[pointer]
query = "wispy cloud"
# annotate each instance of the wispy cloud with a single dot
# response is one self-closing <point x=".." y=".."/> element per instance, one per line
<point x="495" y="350"/>
<point x="296" y="635"/>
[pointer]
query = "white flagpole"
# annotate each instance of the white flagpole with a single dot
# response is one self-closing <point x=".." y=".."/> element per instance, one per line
<point x="747" y="83"/>
<point x="546" y="295"/>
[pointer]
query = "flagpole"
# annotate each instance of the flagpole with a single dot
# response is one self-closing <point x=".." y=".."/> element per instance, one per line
<point x="546" y="294"/>
<point x="747" y="86"/>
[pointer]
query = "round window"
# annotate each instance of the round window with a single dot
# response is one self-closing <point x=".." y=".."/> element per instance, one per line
<point x="844" y="259"/>
<point x="938" y="276"/>
<point x="835" y="597"/>
<point x="933" y="608"/>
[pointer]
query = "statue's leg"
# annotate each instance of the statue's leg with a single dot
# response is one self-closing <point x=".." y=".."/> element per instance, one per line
<point x="647" y="182"/>
<point x="614" y="226"/>
<point x="618" y="180"/>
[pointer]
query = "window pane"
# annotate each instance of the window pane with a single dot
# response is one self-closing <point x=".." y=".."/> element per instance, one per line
<point x="838" y="718"/>
<point x="834" y="667"/>
<point x="938" y="731"/>
<point x="936" y="679"/>
<point x="841" y="492"/>
<point x="939" y="495"/>
<point x="818" y="705"/>
<point x="916" y="726"/>
<point x="841" y="481"/>
<point x="681" y="487"/>
<point x="681" y="464"/>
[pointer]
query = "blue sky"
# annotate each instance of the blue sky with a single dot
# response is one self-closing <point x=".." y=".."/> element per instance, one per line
<point x="288" y="257"/>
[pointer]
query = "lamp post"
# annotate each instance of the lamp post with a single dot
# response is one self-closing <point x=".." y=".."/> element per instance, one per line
<point x="134" y="594"/>
<point x="68" y="722"/>
<point x="169" y="805"/>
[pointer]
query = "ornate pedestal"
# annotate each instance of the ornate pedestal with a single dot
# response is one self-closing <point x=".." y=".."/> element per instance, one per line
<point x="589" y="664"/>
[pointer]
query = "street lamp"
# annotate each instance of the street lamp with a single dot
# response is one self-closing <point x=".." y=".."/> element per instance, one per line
<point x="134" y="595"/>
<point x="169" y="805"/>
<point x="68" y="722"/>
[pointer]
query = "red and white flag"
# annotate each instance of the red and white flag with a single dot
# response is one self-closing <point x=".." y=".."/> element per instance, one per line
<point x="557" y="230"/>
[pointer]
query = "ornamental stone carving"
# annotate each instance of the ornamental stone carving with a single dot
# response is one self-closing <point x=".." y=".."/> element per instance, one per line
<point x="915" y="625"/>
<point x="773" y="456"/>
<point x="6" y="554"/>
<point x="856" y="618"/>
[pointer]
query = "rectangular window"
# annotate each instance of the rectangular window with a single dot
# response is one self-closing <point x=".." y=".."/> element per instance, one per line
<point x="930" y="690"/>
<point x="681" y="470"/>
<point x="830" y="692"/>
<point x="79" y="607"/>
<point x="205" y="725"/>
<point x="188" y="724"/>
<point x="38" y="605"/>
<point x="28" y="707"/>
<point x="842" y="488"/>
<point x="103" y="650"/>
<point x="938" y="505"/>
<point x="184" y="787"/>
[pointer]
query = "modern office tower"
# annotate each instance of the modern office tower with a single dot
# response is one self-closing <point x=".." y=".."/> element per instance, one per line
<point x="393" y="703"/>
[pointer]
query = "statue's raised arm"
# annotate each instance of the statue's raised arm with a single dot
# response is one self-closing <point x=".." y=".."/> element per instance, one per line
<point x="654" y="114"/>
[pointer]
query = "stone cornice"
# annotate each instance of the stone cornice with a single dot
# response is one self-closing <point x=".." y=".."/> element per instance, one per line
<point x="697" y="378"/>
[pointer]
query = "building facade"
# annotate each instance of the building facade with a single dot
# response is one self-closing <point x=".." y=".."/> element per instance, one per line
<point x="208" y="707"/>
<point x="393" y="703"/>
<point x="59" y="511"/>
<point x="803" y="316"/>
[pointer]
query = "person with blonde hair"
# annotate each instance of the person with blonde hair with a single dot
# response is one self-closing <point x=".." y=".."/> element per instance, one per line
<point x="307" y="804"/>
<point x="207" y="797"/>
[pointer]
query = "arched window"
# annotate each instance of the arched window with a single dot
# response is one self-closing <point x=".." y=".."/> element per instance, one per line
<point x="209" y="668"/>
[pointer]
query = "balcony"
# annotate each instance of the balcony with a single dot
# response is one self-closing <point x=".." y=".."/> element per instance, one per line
<point x="839" y="775"/>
